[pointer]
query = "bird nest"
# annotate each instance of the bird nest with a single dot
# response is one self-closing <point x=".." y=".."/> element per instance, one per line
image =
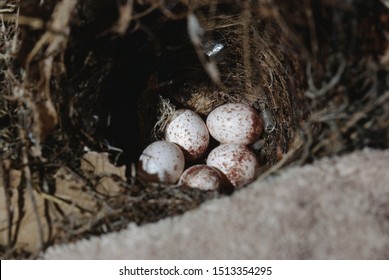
<point x="87" y="86"/>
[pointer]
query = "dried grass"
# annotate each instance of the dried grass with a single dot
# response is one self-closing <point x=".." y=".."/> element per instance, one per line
<point x="319" y="97"/>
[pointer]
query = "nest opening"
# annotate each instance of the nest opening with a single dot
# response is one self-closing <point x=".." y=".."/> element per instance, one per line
<point x="172" y="76"/>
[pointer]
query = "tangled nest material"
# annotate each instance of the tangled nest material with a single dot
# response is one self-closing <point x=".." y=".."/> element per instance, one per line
<point x="75" y="74"/>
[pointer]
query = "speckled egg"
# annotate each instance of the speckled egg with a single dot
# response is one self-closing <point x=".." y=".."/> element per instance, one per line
<point x="188" y="130"/>
<point x="235" y="123"/>
<point x="237" y="162"/>
<point x="202" y="177"/>
<point x="162" y="162"/>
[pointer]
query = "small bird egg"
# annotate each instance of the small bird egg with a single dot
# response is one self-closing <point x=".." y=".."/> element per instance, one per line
<point x="235" y="123"/>
<point x="161" y="161"/>
<point x="188" y="130"/>
<point x="202" y="177"/>
<point x="237" y="162"/>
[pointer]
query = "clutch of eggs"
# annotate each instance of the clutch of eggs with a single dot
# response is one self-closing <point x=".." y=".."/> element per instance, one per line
<point x="234" y="125"/>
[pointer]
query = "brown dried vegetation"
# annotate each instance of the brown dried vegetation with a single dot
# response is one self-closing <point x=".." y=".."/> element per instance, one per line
<point x="80" y="76"/>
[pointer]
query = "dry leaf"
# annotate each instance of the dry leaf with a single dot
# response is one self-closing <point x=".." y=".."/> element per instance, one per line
<point x="26" y="231"/>
<point x="99" y="164"/>
<point x="73" y="196"/>
<point x="73" y="201"/>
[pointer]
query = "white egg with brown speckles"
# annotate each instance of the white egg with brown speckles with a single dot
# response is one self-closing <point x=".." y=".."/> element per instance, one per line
<point x="188" y="130"/>
<point x="162" y="162"/>
<point x="235" y="123"/>
<point x="202" y="177"/>
<point x="237" y="162"/>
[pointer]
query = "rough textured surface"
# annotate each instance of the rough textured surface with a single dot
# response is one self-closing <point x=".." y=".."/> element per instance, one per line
<point x="337" y="208"/>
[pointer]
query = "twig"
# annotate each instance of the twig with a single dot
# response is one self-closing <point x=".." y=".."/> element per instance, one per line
<point x="196" y="33"/>
<point x="34" y="23"/>
<point x="385" y="3"/>
<point x="314" y="92"/>
<point x="296" y="145"/>
<point x="361" y="114"/>
<point x="285" y="27"/>
<point x="7" y="198"/>
<point x="246" y="14"/>
<point x="312" y="27"/>
<point x="28" y="179"/>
